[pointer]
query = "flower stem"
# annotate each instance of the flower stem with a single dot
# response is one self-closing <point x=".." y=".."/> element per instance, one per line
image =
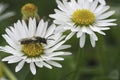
<point x="9" y="74"/>
<point x="79" y="58"/>
<point x="101" y="55"/>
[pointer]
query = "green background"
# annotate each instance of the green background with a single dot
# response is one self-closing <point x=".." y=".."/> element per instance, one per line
<point x="99" y="63"/>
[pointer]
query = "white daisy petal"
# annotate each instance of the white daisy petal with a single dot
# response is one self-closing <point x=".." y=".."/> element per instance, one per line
<point x="3" y="7"/>
<point x="64" y="47"/>
<point x="99" y="8"/>
<point x="25" y="28"/>
<point x="79" y="34"/>
<point x="11" y="35"/>
<point x="59" y="29"/>
<point x="55" y="47"/>
<point x="105" y="8"/>
<point x="60" y="5"/>
<point x="73" y="5"/>
<point x="107" y="21"/>
<point x="94" y="5"/>
<point x="28" y="60"/>
<point x="70" y="35"/>
<point x="99" y="30"/>
<point x="19" y="66"/>
<point x="57" y="58"/>
<point x="82" y="40"/>
<point x="46" y="65"/>
<point x="86" y="5"/>
<point x="94" y="36"/>
<point x="15" y="34"/>
<point x="5" y="15"/>
<point x="67" y="53"/>
<point x="40" y="28"/>
<point x="10" y="50"/>
<point x="86" y="30"/>
<point x="33" y="68"/>
<point x="39" y="64"/>
<point x="54" y="63"/>
<point x="11" y="42"/>
<point x="15" y="60"/>
<point x="56" y="40"/>
<point x="92" y="41"/>
<point x="50" y="30"/>
<point x="106" y="15"/>
<point x="32" y="27"/>
<point x="8" y="58"/>
<point x="106" y="24"/>
<point x="22" y="31"/>
<point x="56" y="54"/>
<point x="44" y="29"/>
<point x="102" y="2"/>
<point x="17" y="31"/>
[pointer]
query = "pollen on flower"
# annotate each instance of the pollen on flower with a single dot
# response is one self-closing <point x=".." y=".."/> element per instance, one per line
<point x="32" y="49"/>
<point x="83" y="17"/>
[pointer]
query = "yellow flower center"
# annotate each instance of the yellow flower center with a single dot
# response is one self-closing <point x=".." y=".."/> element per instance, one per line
<point x="32" y="49"/>
<point x="83" y="17"/>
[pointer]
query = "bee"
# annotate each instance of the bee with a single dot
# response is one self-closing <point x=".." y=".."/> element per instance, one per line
<point x="34" y="40"/>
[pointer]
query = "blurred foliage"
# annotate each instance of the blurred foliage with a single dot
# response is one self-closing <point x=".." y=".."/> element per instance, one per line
<point x="99" y="63"/>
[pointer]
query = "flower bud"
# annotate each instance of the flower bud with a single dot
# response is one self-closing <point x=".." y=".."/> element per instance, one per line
<point x="30" y="10"/>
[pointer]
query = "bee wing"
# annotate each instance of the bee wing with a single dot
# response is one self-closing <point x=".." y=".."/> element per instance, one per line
<point x="25" y="39"/>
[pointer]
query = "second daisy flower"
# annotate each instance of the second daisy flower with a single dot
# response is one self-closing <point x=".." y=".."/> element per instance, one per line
<point x="83" y="17"/>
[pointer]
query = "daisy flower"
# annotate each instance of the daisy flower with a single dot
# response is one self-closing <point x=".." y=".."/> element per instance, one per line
<point x="5" y="15"/>
<point x="34" y="43"/>
<point x="83" y="17"/>
<point x="101" y="1"/>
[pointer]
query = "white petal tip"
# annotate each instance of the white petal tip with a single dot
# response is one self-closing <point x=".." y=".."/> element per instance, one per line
<point x="104" y="34"/>
<point x="93" y="46"/>
<point x="33" y="73"/>
<point x="4" y="60"/>
<point x="16" y="70"/>
<point x="68" y="53"/>
<point x="49" y="67"/>
<point x="59" y="66"/>
<point x="81" y="46"/>
<point x="9" y="62"/>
